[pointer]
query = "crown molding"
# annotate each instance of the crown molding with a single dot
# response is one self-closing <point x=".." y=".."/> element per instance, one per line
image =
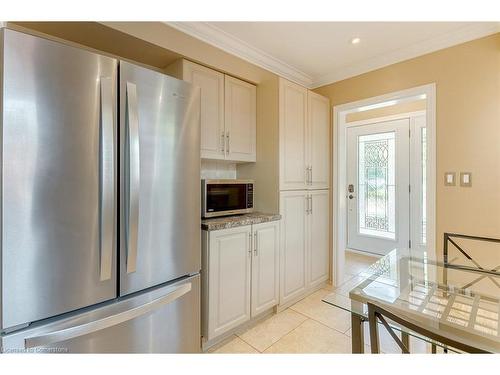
<point x="465" y="34"/>
<point x="218" y="38"/>
<point x="235" y="46"/>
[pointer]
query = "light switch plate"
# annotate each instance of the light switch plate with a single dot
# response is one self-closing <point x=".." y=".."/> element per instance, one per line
<point x="449" y="179"/>
<point x="465" y="179"/>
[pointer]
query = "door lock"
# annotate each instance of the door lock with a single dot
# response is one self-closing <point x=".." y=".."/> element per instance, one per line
<point x="350" y="188"/>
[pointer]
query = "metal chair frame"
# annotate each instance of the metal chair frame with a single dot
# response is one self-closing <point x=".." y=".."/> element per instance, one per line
<point x="378" y="314"/>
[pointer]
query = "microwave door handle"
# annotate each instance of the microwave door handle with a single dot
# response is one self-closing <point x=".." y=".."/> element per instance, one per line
<point x="107" y="322"/>
<point x="133" y="177"/>
<point x="106" y="179"/>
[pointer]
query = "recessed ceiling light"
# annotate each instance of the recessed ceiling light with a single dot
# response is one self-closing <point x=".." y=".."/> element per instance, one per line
<point x="355" y="40"/>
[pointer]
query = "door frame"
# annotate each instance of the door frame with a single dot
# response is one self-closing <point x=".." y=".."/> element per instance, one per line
<point x="339" y="157"/>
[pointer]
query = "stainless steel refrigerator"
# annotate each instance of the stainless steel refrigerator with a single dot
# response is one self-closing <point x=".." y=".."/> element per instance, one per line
<point x="100" y="225"/>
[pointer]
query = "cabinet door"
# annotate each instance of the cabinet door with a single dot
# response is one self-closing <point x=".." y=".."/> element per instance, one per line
<point x="293" y="245"/>
<point x="318" y="237"/>
<point x="265" y="266"/>
<point x="211" y="84"/>
<point x="318" y="130"/>
<point x="292" y="134"/>
<point x="240" y="120"/>
<point x="230" y="256"/>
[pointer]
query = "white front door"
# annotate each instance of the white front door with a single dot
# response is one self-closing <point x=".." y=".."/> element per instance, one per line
<point x="378" y="178"/>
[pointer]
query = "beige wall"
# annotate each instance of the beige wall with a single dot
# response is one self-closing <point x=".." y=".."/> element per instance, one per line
<point x="413" y="106"/>
<point x="467" y="80"/>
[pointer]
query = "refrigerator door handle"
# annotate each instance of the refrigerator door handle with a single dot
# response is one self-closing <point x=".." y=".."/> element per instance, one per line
<point x="110" y="321"/>
<point x="107" y="179"/>
<point x="133" y="178"/>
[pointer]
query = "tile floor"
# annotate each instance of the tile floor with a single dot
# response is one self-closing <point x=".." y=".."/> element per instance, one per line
<point x="311" y="326"/>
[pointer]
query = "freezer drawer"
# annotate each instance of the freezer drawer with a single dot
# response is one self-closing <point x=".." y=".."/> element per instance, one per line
<point x="161" y="320"/>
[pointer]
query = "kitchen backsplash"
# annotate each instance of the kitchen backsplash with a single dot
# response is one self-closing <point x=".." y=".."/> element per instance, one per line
<point x="217" y="169"/>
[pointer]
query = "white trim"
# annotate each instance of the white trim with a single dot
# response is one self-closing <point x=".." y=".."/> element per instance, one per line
<point x="385" y="118"/>
<point x="216" y="37"/>
<point x="237" y="47"/>
<point x="339" y="168"/>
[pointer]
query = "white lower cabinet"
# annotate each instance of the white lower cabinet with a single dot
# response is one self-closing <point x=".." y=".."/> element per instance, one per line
<point x="293" y="245"/>
<point x="305" y="242"/>
<point x="319" y="237"/>
<point x="229" y="272"/>
<point x="240" y="272"/>
<point x="265" y="267"/>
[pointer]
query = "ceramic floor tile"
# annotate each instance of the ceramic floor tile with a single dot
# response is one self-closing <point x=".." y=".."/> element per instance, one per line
<point x="266" y="333"/>
<point x="355" y="263"/>
<point x="337" y="300"/>
<point x="314" y="308"/>
<point x="346" y="287"/>
<point x="235" y="346"/>
<point x="312" y="337"/>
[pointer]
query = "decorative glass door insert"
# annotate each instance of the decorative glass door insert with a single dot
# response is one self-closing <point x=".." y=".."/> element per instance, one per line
<point x="377" y="185"/>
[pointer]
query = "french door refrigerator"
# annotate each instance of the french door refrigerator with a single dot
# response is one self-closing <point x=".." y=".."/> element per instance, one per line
<point x="100" y="225"/>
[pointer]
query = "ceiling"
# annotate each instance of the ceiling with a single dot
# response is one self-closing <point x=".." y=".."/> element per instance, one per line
<point x="317" y="53"/>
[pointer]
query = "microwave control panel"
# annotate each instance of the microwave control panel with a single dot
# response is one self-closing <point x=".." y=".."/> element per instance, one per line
<point x="249" y="195"/>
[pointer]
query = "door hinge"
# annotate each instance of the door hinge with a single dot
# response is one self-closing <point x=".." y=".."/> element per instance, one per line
<point x="409" y="244"/>
<point x="409" y="133"/>
<point x="409" y="188"/>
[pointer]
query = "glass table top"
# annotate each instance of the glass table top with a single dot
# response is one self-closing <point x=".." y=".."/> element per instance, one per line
<point x="463" y="305"/>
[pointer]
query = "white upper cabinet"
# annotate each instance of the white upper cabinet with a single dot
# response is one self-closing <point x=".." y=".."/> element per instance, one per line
<point x="228" y="112"/>
<point x="319" y="141"/>
<point x="265" y="267"/>
<point x="211" y="84"/>
<point x="240" y="119"/>
<point x="304" y="138"/>
<point x="318" y="237"/>
<point x="293" y="134"/>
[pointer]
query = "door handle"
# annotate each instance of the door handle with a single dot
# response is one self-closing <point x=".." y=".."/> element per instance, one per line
<point x="133" y="177"/>
<point x="308" y="205"/>
<point x="351" y="196"/>
<point x="255" y="246"/>
<point x="223" y="142"/>
<point x="249" y="244"/>
<point x="107" y="322"/>
<point x="107" y="180"/>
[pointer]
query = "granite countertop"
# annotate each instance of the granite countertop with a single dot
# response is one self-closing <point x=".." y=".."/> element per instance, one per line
<point x="226" y="222"/>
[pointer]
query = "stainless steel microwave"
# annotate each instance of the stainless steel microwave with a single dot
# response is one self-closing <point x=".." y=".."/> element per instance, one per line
<point x="226" y="197"/>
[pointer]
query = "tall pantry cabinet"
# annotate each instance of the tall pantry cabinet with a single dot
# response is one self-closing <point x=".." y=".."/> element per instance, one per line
<point x="304" y="141"/>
